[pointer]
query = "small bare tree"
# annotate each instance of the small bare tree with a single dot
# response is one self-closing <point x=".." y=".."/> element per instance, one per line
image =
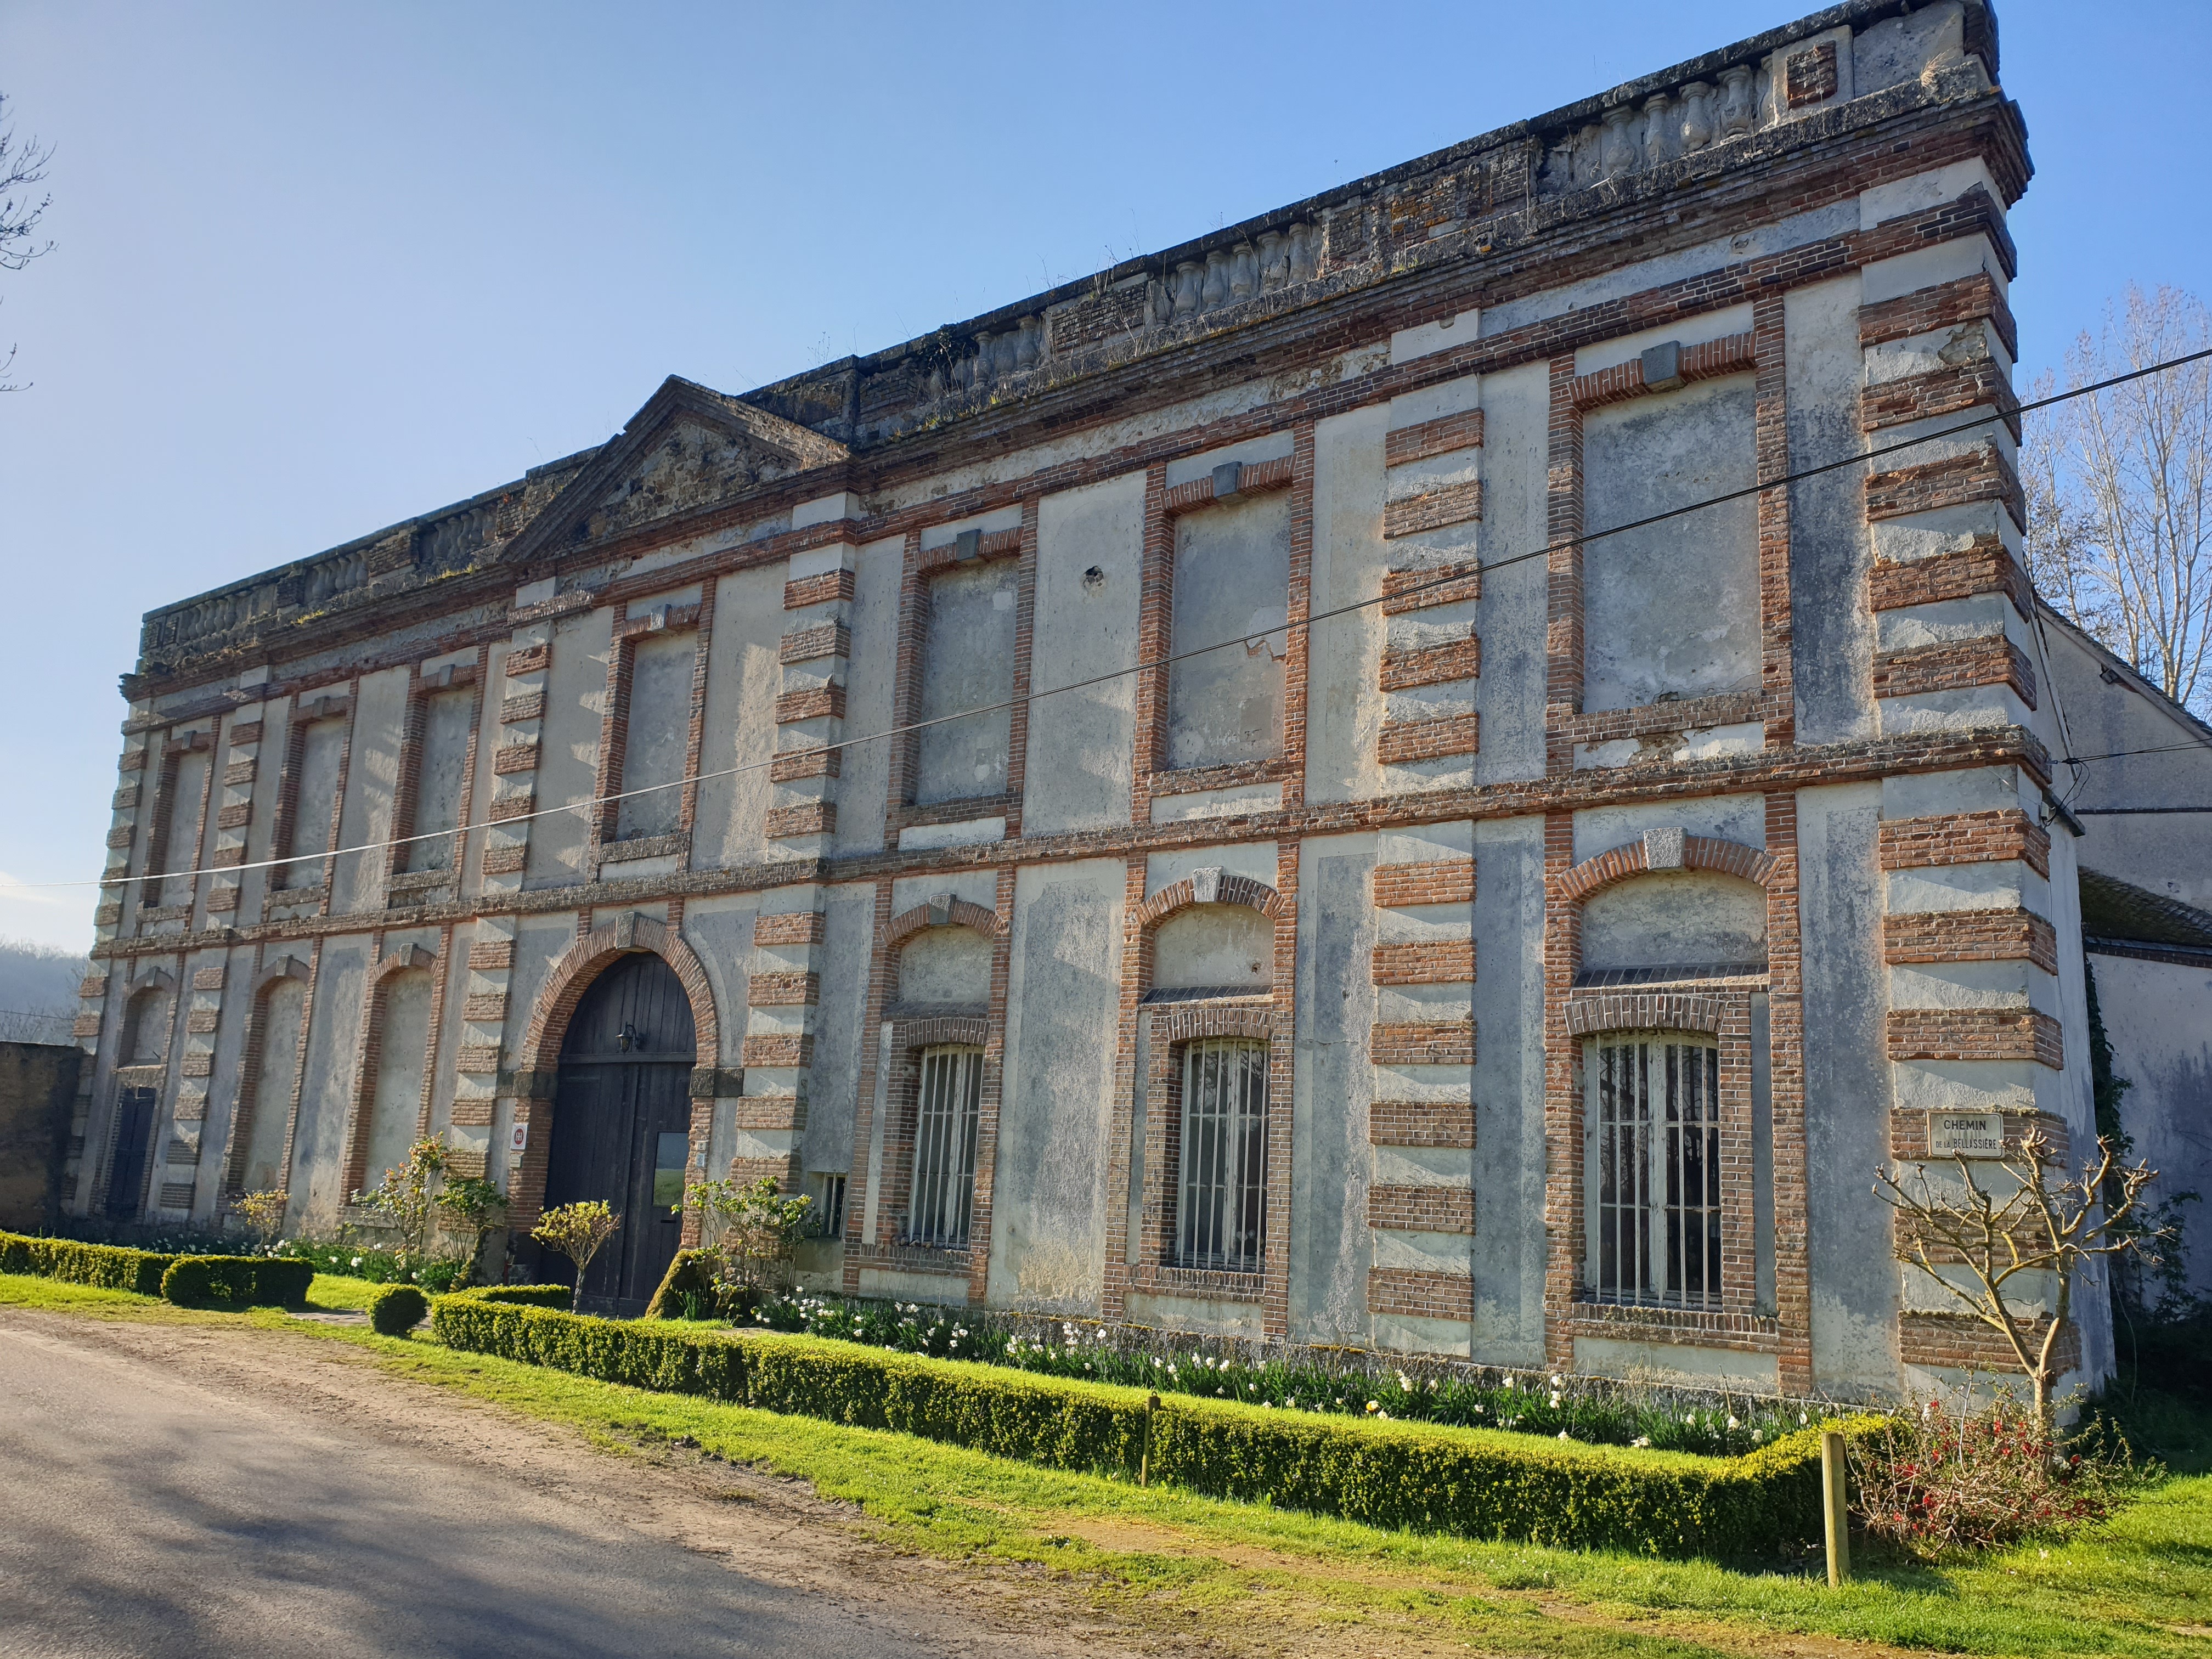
<point x="2119" y="494"/>
<point x="22" y="167"/>
<point x="2043" y="1227"/>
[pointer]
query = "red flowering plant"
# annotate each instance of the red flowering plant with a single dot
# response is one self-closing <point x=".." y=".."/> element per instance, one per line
<point x="1935" y="1482"/>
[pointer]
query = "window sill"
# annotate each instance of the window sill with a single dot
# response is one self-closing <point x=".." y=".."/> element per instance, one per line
<point x="1636" y="1322"/>
<point x="1215" y="1284"/>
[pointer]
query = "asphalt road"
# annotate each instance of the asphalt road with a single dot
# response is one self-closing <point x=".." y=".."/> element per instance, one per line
<point x="157" y="1500"/>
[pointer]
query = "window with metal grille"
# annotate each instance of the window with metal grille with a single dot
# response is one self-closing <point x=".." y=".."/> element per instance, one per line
<point x="947" y="1112"/>
<point x="1653" y="1106"/>
<point x="1225" y="1137"/>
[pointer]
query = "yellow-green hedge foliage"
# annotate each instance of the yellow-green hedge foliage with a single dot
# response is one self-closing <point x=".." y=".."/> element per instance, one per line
<point x="110" y="1266"/>
<point x="1479" y="1483"/>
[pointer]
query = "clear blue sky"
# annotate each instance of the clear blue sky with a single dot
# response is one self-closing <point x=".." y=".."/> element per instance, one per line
<point x="322" y="267"/>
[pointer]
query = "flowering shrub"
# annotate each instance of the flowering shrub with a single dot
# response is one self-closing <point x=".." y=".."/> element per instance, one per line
<point x="1559" y="1407"/>
<point x="436" y="1275"/>
<point x="1932" y="1483"/>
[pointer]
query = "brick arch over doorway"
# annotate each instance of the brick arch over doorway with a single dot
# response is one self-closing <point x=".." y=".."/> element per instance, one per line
<point x="573" y="976"/>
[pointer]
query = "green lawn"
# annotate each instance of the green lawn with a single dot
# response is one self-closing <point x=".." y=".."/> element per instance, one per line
<point x="2141" y="1584"/>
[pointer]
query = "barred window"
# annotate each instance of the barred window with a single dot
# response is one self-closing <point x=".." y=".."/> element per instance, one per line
<point x="1224" y="1136"/>
<point x="1654" y="1105"/>
<point x="947" y="1114"/>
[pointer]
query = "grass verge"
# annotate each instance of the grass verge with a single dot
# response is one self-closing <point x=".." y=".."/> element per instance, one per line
<point x="2139" y="1585"/>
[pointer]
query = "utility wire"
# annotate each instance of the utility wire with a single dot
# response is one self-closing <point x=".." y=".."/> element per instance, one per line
<point x="1351" y="608"/>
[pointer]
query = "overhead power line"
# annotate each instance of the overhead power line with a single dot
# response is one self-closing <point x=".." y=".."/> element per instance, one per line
<point x="1546" y="551"/>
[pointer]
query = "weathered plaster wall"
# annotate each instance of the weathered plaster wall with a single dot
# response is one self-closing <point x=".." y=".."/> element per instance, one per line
<point x="1090" y="550"/>
<point x="2154" y="1015"/>
<point x="327" y="1088"/>
<point x="1832" y="630"/>
<point x="1048" y="1217"/>
<point x="1674" y="607"/>
<point x="660" y="729"/>
<point x="568" y="751"/>
<point x="1847" y="1088"/>
<point x="968" y="662"/>
<point x="1232" y="566"/>
<point x="744" y="674"/>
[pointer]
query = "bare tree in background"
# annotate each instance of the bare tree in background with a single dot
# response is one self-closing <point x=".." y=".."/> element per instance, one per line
<point x="2119" y="494"/>
<point x="22" y="167"/>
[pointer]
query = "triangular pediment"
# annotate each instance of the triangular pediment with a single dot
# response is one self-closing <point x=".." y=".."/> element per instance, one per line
<point x="688" y="448"/>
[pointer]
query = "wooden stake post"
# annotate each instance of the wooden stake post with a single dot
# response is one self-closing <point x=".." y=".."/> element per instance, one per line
<point x="1833" y="1492"/>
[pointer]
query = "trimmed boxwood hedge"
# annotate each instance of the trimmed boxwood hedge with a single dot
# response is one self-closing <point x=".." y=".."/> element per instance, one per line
<point x="557" y="1297"/>
<point x="110" y="1266"/>
<point x="1478" y="1483"/>
<point x="197" y="1281"/>
<point x="396" y="1310"/>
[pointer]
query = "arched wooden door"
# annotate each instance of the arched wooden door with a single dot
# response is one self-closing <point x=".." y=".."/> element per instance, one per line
<point x="621" y="1119"/>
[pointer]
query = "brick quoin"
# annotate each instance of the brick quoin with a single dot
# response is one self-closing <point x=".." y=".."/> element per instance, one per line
<point x="1425" y="964"/>
<point x="1403" y="671"/>
<point x="1976" y="1034"/>
<point x="1434" y="509"/>
<point x="1403" y="741"/>
<point x="1990" y="837"/>
<point x="2014" y="935"/>
<point x="1980" y="473"/>
<point x="1955" y="665"/>
<point x="1421" y="1209"/>
<point x="1446" y="435"/>
<point x="1986" y="567"/>
<point x="1426" y="586"/>
<point x="1961" y="1342"/>
<point x="1439" y="881"/>
<point x="1945" y="304"/>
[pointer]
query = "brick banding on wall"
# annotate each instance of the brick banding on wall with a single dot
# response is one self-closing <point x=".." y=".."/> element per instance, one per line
<point x="831" y="585"/>
<point x="1404" y="741"/>
<point x="783" y="990"/>
<point x="1979" y="473"/>
<point x="1437" y="881"/>
<point x="1420" y="1123"/>
<point x="1945" y="304"/>
<point x="1986" y="567"/>
<point x="484" y="1007"/>
<point x="1429" y="585"/>
<point x="510" y="758"/>
<point x="245" y="732"/>
<point x="1732" y="353"/>
<point x="1448" y="963"/>
<point x="1955" y="665"/>
<point x="2014" y="935"/>
<point x="1415" y="1293"/>
<point x="1403" y="671"/>
<point x="1421" y="1043"/>
<point x="505" y="860"/>
<point x="528" y="705"/>
<point x="236" y="776"/>
<point x="1961" y="1342"/>
<point x="790" y="927"/>
<point x="1434" y="509"/>
<point x="815" y="819"/>
<point x="830" y="639"/>
<point x="507" y="808"/>
<point x="529" y="660"/>
<point x="792" y="764"/>
<point x="479" y="1060"/>
<point x="1976" y="1034"/>
<point x="1939" y="393"/>
<point x="207" y="979"/>
<point x="778" y="1049"/>
<point x="819" y="702"/>
<point x="1447" y="434"/>
<point x="1990" y="837"/>
<point x="1421" y="1209"/>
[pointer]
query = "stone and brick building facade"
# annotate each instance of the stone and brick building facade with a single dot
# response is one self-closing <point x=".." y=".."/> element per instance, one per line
<point x="1517" y="940"/>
